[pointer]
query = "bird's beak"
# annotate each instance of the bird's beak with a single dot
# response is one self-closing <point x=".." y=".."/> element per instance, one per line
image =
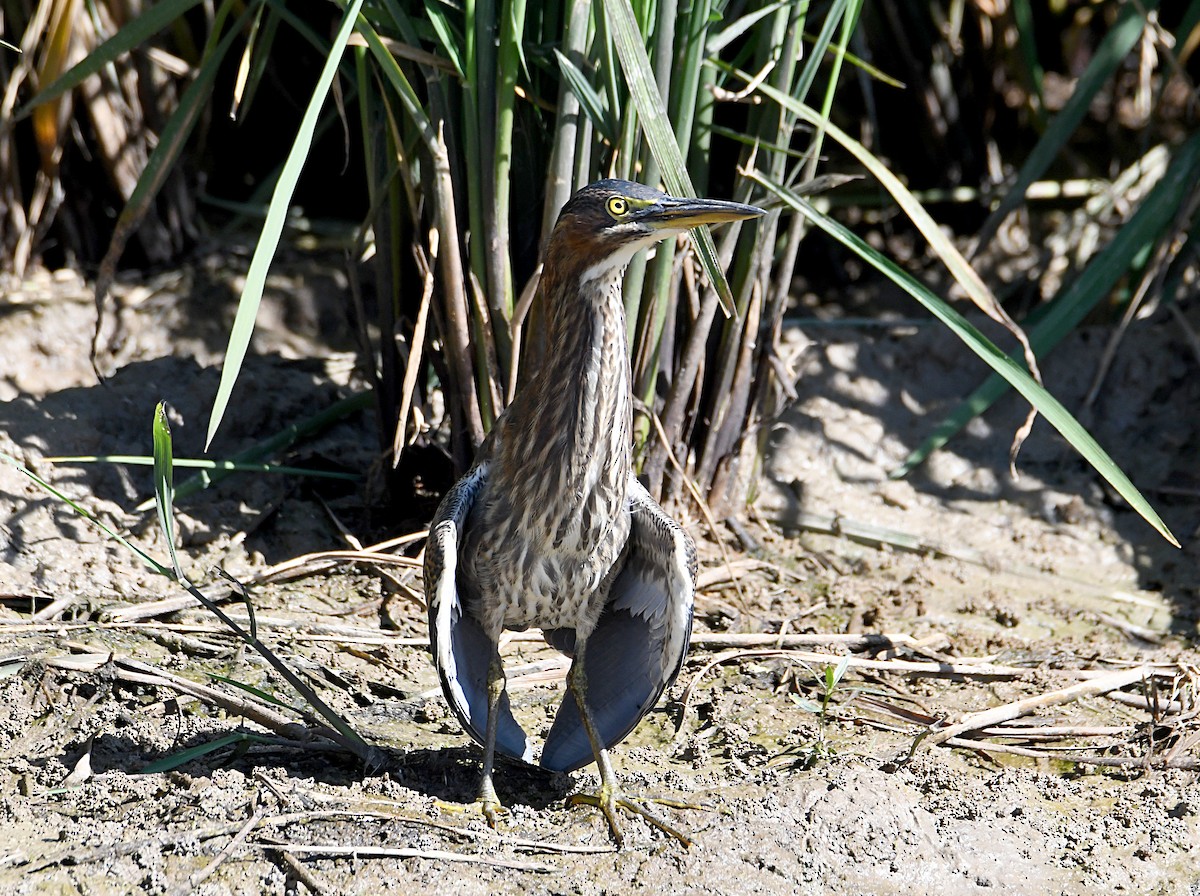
<point x="676" y="214"/>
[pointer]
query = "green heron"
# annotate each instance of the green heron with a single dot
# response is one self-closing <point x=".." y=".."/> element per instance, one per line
<point x="551" y="529"/>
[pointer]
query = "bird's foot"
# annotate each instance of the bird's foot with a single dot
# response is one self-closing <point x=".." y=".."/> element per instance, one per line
<point x="609" y="800"/>
<point x="486" y="804"/>
<point x="491" y="809"/>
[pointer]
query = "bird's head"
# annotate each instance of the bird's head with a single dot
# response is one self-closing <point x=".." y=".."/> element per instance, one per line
<point x="605" y="223"/>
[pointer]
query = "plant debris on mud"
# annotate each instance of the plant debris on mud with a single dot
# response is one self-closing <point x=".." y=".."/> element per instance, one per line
<point x="952" y="683"/>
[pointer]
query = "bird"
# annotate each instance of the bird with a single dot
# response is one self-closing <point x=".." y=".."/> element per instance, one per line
<point x="551" y="529"/>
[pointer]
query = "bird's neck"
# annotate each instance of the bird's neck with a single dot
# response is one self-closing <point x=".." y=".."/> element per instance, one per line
<point x="559" y="456"/>
<point x="586" y="377"/>
<point x="569" y="426"/>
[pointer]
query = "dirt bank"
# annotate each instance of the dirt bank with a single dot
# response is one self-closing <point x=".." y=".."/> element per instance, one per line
<point x="993" y="592"/>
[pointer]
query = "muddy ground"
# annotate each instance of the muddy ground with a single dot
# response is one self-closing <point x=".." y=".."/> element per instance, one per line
<point x="992" y="591"/>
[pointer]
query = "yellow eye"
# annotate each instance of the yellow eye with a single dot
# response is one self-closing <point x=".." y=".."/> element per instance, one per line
<point x="617" y="206"/>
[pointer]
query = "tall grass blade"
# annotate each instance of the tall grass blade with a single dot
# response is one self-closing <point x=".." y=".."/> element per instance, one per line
<point x="268" y="242"/>
<point x="939" y="242"/>
<point x="164" y="484"/>
<point x="164" y="500"/>
<point x="152" y="20"/>
<point x="808" y="73"/>
<point x="639" y="77"/>
<point x="1096" y="282"/>
<point x="1006" y="367"/>
<point x="449" y="40"/>
<point x="589" y="98"/>
<point x="1115" y="46"/>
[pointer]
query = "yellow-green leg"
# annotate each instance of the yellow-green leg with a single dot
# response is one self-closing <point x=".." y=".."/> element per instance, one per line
<point x="487" y="801"/>
<point x="610" y="798"/>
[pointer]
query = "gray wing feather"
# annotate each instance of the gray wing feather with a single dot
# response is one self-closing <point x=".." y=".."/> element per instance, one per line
<point x="638" y="646"/>
<point x="461" y="649"/>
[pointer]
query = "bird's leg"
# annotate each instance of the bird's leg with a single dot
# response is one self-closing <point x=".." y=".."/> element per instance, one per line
<point x="610" y="798"/>
<point x="489" y="804"/>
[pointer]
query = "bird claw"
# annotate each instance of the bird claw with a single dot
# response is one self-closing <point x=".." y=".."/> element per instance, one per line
<point x="490" y="808"/>
<point x="488" y="803"/>
<point x="609" y="800"/>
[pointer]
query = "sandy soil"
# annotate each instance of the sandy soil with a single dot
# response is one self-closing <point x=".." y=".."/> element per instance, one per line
<point x="993" y="591"/>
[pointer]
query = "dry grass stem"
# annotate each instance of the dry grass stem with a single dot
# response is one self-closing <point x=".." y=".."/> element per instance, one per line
<point x="389" y="810"/>
<point x="1095" y="687"/>
<point x="132" y="671"/>
<point x="401" y="852"/>
<point x="311" y="882"/>
<point x="1185" y="763"/>
<point x="1141" y="701"/>
<point x="416" y="351"/>
<point x="705" y="510"/>
<point x="1057" y="731"/>
<point x="882" y="641"/>
<point x="992" y="747"/>
<point x="821" y="660"/>
<point x="207" y="871"/>
<point x="71" y="855"/>
<point x="54" y="609"/>
<point x="307" y="563"/>
<point x="711" y="577"/>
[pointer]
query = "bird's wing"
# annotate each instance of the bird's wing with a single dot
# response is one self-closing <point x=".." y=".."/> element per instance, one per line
<point x="638" y="646"/>
<point x="461" y="649"/>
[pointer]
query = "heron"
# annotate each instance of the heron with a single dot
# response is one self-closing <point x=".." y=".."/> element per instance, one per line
<point x="551" y="529"/>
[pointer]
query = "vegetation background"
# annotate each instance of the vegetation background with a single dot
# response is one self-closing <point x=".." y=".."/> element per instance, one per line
<point x="436" y="141"/>
<point x="978" y="162"/>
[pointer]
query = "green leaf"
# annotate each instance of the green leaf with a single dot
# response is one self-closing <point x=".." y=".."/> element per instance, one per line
<point x="834" y="674"/>
<point x="257" y="692"/>
<point x="812" y="66"/>
<point x="1065" y="312"/>
<point x="449" y="38"/>
<point x="589" y="98"/>
<point x="1006" y="367"/>
<point x="808" y="705"/>
<point x="942" y="246"/>
<point x="164" y="484"/>
<point x="226" y="466"/>
<point x="183" y="757"/>
<point x="87" y="515"/>
<point x="154" y="19"/>
<point x="268" y="242"/>
<point x="742" y="26"/>
<point x="939" y="242"/>
<point x="1116" y="45"/>
<point x="639" y="77"/>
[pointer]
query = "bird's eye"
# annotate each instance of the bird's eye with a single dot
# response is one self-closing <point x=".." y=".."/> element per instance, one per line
<point x="617" y="206"/>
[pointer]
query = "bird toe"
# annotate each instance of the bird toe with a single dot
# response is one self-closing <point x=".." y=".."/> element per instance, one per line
<point x="610" y="801"/>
